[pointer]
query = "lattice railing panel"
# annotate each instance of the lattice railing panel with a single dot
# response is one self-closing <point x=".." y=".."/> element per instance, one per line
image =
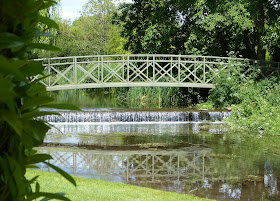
<point x="112" y="72"/>
<point x="88" y="73"/>
<point x="144" y="70"/>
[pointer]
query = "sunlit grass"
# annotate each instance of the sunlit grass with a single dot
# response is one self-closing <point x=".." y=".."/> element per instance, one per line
<point x="92" y="189"/>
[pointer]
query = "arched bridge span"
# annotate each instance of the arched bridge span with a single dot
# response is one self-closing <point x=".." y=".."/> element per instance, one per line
<point x="102" y="71"/>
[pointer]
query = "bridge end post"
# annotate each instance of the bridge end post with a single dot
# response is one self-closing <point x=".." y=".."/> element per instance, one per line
<point x="49" y="73"/>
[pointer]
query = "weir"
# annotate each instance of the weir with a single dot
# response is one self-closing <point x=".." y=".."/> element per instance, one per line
<point x="135" y="116"/>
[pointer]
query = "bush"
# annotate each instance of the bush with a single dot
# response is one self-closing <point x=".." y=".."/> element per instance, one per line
<point x="255" y="103"/>
<point x="20" y="98"/>
<point x="260" y="106"/>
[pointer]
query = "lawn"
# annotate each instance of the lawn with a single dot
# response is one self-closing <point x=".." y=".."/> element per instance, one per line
<point x="92" y="189"/>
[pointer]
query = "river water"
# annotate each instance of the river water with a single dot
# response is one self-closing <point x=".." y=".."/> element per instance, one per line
<point x="180" y="150"/>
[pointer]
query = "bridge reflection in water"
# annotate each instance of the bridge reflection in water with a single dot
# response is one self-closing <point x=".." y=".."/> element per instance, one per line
<point x="128" y="166"/>
<point x="185" y="170"/>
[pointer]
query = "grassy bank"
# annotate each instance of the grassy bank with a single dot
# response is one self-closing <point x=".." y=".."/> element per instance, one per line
<point x="91" y="189"/>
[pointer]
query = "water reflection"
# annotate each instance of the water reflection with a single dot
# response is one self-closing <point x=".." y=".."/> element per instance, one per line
<point x="198" y="158"/>
<point x="145" y="166"/>
<point x="193" y="170"/>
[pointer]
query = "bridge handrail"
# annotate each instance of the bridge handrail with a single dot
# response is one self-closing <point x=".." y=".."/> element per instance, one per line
<point x="160" y="55"/>
<point x="130" y="70"/>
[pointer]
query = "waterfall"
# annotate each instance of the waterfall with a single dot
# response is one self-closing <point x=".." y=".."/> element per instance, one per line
<point x="89" y="116"/>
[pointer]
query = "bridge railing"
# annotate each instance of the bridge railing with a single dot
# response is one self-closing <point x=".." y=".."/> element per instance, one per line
<point x="141" y="70"/>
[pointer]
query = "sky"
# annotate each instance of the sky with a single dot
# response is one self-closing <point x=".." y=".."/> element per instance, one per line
<point x="70" y="9"/>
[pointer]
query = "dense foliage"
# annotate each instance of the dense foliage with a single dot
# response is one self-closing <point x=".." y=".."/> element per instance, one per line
<point x="21" y="96"/>
<point x="255" y="103"/>
<point x="93" y="33"/>
<point x="259" y="107"/>
<point x="207" y="27"/>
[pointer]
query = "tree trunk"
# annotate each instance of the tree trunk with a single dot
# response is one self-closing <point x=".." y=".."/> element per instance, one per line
<point x="250" y="45"/>
<point x="259" y="32"/>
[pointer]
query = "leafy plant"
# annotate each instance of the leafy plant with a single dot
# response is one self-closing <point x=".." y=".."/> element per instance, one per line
<point x="259" y="108"/>
<point x="228" y="83"/>
<point x="255" y="103"/>
<point x="21" y="96"/>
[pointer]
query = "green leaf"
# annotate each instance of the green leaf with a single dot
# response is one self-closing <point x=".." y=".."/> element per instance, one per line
<point x="11" y="68"/>
<point x="46" y="34"/>
<point x="12" y="119"/>
<point x="44" y="46"/>
<point x="35" y="102"/>
<point x="62" y="173"/>
<point x="34" y="130"/>
<point x="6" y="91"/>
<point x="37" y="158"/>
<point x="47" y="4"/>
<point x="45" y="199"/>
<point x="48" y="196"/>
<point x="36" y="113"/>
<point x="9" y="40"/>
<point x="37" y="187"/>
<point x="49" y="22"/>
<point x="62" y="106"/>
<point x="36" y="89"/>
<point x="32" y="68"/>
<point x="33" y="179"/>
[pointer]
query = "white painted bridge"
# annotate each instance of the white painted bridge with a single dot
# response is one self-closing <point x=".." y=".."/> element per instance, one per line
<point x="103" y="71"/>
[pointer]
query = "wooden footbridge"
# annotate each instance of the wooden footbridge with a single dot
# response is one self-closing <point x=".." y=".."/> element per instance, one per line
<point x="103" y="71"/>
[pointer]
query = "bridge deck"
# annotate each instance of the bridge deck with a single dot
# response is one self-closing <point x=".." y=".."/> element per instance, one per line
<point x="139" y="71"/>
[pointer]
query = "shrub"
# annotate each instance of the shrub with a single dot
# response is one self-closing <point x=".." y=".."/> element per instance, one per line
<point x="21" y="96"/>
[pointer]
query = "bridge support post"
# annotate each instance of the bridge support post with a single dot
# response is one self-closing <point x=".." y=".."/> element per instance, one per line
<point x="102" y="69"/>
<point x="179" y="69"/>
<point x="49" y="72"/>
<point x="204" y="70"/>
<point x="75" y="70"/>
<point x="128" y="60"/>
<point x="154" y="70"/>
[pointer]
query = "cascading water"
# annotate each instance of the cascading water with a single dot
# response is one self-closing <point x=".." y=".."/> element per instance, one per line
<point x="110" y="121"/>
<point x="135" y="116"/>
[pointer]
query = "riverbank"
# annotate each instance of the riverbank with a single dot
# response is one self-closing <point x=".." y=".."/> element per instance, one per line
<point x="92" y="189"/>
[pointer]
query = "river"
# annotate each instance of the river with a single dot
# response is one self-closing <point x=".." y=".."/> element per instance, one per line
<point x="185" y="151"/>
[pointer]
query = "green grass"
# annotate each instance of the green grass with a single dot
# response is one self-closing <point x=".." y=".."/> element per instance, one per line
<point x="92" y="189"/>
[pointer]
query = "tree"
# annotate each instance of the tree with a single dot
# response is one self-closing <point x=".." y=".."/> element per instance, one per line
<point x="208" y="27"/>
<point x="152" y="27"/>
<point x="91" y="34"/>
<point x="232" y="26"/>
<point x="21" y="96"/>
